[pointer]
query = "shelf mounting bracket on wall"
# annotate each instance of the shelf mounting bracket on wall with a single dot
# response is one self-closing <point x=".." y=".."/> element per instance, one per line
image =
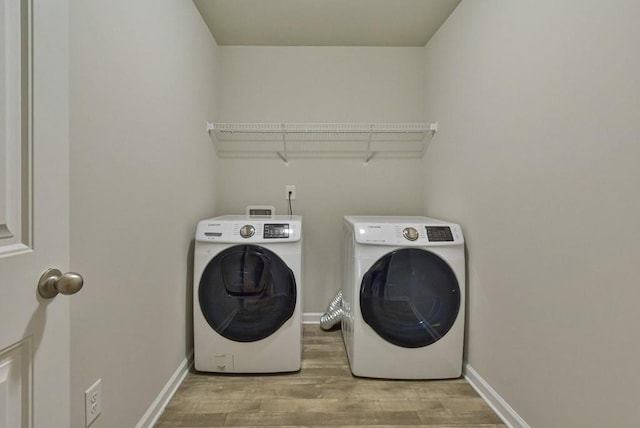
<point x="284" y="157"/>
<point x="368" y="155"/>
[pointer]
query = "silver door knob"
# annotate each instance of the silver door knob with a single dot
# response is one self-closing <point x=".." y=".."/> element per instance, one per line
<point x="53" y="282"/>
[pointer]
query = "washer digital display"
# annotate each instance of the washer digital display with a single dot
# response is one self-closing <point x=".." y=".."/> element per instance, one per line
<point x="274" y="231"/>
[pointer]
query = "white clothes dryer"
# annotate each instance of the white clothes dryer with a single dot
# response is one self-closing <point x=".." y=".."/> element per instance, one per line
<point x="247" y="294"/>
<point x="403" y="297"/>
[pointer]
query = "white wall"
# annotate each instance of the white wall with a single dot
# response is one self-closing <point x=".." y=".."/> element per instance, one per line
<point x="537" y="157"/>
<point x="142" y="174"/>
<point x="318" y="84"/>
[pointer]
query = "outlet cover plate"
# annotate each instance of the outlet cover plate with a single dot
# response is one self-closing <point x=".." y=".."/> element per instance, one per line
<point x="290" y="188"/>
<point x="93" y="402"/>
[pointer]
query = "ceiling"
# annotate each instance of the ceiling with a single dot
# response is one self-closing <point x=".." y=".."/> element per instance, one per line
<point x="324" y="22"/>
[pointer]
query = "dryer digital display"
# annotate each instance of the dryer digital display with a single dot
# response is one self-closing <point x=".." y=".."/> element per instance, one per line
<point x="439" y="234"/>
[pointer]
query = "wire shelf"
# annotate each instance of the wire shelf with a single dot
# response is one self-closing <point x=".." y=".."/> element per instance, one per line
<point x="286" y="140"/>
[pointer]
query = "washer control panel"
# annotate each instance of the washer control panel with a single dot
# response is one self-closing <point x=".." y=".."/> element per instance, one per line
<point x="246" y="230"/>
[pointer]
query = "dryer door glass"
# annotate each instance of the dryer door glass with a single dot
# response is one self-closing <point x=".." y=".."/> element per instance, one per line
<point x="410" y="297"/>
<point x="247" y="293"/>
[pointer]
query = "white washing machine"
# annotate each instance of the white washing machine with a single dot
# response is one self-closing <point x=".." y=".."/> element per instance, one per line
<point x="247" y="294"/>
<point x="403" y="297"/>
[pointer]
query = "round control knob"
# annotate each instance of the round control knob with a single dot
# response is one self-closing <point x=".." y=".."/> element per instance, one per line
<point x="247" y="231"/>
<point x="410" y="233"/>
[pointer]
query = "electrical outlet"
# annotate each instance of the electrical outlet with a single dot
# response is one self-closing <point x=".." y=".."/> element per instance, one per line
<point x="93" y="402"/>
<point x="290" y="188"/>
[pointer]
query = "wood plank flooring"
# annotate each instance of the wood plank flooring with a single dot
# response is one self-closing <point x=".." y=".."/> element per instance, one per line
<point x="323" y="393"/>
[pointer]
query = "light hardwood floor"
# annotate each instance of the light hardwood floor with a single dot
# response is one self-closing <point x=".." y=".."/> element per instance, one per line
<point x="323" y="393"/>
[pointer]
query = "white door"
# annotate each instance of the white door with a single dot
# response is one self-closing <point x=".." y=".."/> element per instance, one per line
<point x="34" y="212"/>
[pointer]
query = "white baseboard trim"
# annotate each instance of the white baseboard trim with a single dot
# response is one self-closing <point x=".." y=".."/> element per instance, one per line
<point x="154" y="412"/>
<point x="493" y="399"/>
<point x="311" y="317"/>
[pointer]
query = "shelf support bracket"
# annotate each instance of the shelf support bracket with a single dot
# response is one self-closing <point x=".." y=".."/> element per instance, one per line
<point x="433" y="128"/>
<point x="284" y="157"/>
<point x="369" y="155"/>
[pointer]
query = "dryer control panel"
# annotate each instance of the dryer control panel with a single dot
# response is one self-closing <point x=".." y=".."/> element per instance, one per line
<point x="409" y="234"/>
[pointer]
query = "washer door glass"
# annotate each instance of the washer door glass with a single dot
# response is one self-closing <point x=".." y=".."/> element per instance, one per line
<point x="247" y="293"/>
<point x="410" y="297"/>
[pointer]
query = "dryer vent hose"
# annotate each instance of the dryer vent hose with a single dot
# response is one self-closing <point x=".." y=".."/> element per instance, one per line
<point x="334" y="313"/>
